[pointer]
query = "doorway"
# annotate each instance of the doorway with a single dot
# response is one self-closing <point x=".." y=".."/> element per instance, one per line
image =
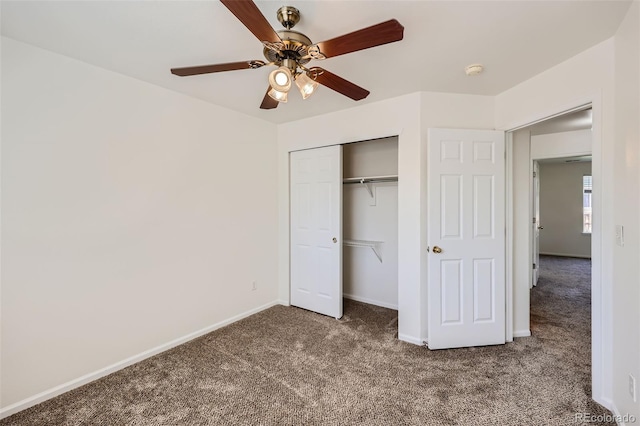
<point x="535" y="142"/>
<point x="370" y="222"/>
<point x="560" y="152"/>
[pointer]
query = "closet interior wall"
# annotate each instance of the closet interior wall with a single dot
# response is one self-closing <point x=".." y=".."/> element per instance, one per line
<point x="370" y="223"/>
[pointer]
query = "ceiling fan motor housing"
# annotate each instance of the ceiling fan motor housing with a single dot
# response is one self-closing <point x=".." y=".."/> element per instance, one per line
<point x="295" y="46"/>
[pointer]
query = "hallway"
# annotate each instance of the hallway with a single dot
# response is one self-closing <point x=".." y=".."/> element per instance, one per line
<point x="561" y="316"/>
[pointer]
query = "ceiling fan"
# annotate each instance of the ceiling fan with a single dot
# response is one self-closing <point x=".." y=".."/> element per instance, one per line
<point x="291" y="50"/>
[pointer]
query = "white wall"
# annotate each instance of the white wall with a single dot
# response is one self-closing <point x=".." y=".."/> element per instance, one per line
<point x="564" y="144"/>
<point x="365" y="277"/>
<point x="408" y="117"/>
<point x="626" y="195"/>
<point x="561" y="209"/>
<point x="586" y="78"/>
<point x="131" y="216"/>
<point x="378" y="157"/>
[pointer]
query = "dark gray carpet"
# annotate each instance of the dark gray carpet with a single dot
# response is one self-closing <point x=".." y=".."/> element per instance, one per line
<point x="287" y="366"/>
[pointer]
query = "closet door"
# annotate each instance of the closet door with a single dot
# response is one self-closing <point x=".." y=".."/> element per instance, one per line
<point x="466" y="233"/>
<point x="316" y="230"/>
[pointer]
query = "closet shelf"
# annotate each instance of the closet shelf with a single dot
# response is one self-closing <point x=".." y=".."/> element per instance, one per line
<point x="373" y="245"/>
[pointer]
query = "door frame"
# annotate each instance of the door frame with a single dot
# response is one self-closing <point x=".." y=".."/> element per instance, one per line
<point x="601" y="306"/>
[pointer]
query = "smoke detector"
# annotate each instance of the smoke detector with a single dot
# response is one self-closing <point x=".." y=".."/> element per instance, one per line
<point x="474" y="69"/>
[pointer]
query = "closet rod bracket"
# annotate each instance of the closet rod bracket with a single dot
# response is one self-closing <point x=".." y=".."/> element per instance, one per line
<point x="368" y="186"/>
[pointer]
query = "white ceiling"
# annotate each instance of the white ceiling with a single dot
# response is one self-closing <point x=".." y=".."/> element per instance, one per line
<point x="515" y="40"/>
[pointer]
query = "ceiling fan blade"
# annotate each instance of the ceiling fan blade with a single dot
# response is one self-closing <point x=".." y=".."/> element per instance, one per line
<point x="207" y="69"/>
<point x="337" y="83"/>
<point x="268" y="102"/>
<point x="375" y="35"/>
<point x="249" y="14"/>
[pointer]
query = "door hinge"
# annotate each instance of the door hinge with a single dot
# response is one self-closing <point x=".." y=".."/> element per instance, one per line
<point x="535" y="266"/>
<point x="534" y="174"/>
<point x="534" y="220"/>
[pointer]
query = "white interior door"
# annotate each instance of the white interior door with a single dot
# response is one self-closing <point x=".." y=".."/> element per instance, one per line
<point x="316" y="230"/>
<point x="536" y="225"/>
<point x="466" y="231"/>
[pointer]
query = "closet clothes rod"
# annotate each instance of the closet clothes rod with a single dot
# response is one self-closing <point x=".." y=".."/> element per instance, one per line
<point x="371" y="179"/>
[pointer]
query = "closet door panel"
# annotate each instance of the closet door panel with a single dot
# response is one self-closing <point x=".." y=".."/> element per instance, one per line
<point x="316" y="230"/>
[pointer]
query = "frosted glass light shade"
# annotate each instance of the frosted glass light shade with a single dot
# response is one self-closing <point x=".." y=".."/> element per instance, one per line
<point x="306" y="85"/>
<point x="277" y="95"/>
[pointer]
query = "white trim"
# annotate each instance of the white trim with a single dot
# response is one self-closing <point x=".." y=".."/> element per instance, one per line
<point x="411" y="339"/>
<point x="601" y="297"/>
<point x="584" y="103"/>
<point x="581" y="256"/>
<point x="90" y="377"/>
<point x="509" y="237"/>
<point x="370" y="301"/>
<point x="560" y="155"/>
<point x="283" y="302"/>
<point x="618" y="415"/>
<point x="522" y="333"/>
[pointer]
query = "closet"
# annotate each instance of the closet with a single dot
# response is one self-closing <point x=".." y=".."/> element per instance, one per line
<point x="370" y="222"/>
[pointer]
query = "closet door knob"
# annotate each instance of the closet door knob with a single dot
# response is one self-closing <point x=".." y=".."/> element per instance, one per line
<point x="335" y="240"/>
<point x="437" y="249"/>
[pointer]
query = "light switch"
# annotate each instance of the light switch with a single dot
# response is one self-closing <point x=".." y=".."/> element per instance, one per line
<point x="620" y="235"/>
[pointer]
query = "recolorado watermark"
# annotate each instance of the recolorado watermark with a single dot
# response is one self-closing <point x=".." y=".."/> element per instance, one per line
<point x="604" y="418"/>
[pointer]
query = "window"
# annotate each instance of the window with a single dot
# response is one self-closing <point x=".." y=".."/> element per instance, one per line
<point x="587" y="186"/>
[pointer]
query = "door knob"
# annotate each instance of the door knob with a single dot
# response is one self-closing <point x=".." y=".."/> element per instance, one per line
<point x="540" y="227"/>
<point x="437" y="249"/>
<point x="335" y="240"/>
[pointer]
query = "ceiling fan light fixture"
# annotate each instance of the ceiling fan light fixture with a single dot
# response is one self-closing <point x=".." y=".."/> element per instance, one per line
<point x="306" y="85"/>
<point x="280" y="79"/>
<point x="291" y="50"/>
<point x="278" y="95"/>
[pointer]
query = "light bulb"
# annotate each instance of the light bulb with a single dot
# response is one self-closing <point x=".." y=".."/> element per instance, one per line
<point x="280" y="79"/>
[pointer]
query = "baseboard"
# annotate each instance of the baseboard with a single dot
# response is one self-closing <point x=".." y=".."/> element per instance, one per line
<point x="410" y="339"/>
<point x="370" y="301"/>
<point x="579" y="256"/>
<point x="87" y="378"/>
<point x="605" y="402"/>
<point x="621" y="419"/>
<point x="522" y="333"/>
<point x="283" y="302"/>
